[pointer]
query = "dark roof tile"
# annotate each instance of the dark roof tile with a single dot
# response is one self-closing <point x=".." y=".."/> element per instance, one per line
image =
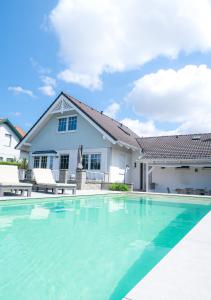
<point x="113" y="128"/>
<point x="190" y="146"/>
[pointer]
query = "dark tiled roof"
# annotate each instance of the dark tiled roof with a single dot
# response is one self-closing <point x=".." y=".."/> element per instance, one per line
<point x="113" y="128"/>
<point x="191" y="146"/>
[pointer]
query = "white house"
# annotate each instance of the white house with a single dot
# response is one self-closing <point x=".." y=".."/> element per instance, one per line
<point x="10" y="136"/>
<point x="114" y="153"/>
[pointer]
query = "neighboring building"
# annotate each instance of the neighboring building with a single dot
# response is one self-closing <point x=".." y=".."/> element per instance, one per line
<point x="10" y="136"/>
<point x="114" y="153"/>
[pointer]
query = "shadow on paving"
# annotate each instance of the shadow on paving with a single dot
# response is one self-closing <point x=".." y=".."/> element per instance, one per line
<point x="157" y="249"/>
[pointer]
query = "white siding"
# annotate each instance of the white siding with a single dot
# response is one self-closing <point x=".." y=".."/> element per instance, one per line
<point x="135" y="174"/>
<point x="8" y="152"/>
<point x="119" y="159"/>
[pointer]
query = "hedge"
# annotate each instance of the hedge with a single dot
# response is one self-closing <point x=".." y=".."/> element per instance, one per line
<point x="119" y="187"/>
<point x="21" y="164"/>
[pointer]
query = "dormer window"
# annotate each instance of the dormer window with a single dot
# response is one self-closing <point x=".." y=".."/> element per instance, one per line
<point x="67" y="124"/>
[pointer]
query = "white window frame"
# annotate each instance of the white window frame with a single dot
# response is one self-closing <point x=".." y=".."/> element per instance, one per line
<point x="67" y="118"/>
<point x="40" y="160"/>
<point x="10" y="140"/>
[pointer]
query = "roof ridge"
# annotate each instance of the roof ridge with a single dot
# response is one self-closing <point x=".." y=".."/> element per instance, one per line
<point x="173" y="135"/>
<point x="114" y="120"/>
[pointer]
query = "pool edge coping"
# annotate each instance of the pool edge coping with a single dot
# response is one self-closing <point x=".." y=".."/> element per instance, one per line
<point x="191" y="236"/>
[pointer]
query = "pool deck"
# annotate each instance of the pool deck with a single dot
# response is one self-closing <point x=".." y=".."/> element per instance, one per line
<point x="184" y="273"/>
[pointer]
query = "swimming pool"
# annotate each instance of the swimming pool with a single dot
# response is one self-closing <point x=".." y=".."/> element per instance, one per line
<point x="87" y="248"/>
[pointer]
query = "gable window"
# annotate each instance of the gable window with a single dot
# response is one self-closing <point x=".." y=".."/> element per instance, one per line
<point x="72" y="123"/>
<point x="64" y="162"/>
<point x="62" y="125"/>
<point x="67" y="124"/>
<point x="95" y="162"/>
<point x="43" y="162"/>
<point x="85" y="161"/>
<point x="8" y="140"/>
<point x="36" y="161"/>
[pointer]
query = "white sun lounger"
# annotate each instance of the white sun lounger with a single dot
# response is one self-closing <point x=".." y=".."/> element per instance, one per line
<point x="9" y="181"/>
<point x="44" y="181"/>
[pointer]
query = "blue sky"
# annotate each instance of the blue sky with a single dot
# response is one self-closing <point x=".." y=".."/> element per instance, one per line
<point x="41" y="39"/>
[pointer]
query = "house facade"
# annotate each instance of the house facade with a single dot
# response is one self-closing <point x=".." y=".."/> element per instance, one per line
<point x="112" y="152"/>
<point x="53" y="142"/>
<point x="10" y="136"/>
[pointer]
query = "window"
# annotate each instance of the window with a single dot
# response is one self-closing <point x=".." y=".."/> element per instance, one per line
<point x="72" y="123"/>
<point x="51" y="163"/>
<point x="43" y="162"/>
<point x="62" y="124"/>
<point x="36" y="161"/>
<point x="8" y="140"/>
<point x="67" y="124"/>
<point x="95" y="161"/>
<point x="9" y="159"/>
<point x="64" y="162"/>
<point x="85" y="161"/>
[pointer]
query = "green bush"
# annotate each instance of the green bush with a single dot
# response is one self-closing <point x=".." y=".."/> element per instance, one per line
<point x="10" y="163"/>
<point x="119" y="187"/>
<point x="21" y="164"/>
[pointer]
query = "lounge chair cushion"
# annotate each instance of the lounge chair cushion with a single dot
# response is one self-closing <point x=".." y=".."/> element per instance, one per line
<point x="8" y="174"/>
<point x="43" y="176"/>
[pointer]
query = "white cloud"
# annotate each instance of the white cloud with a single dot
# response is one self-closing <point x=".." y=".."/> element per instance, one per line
<point x="117" y="35"/>
<point x="147" y="128"/>
<point x="20" y="90"/>
<point x="182" y="97"/>
<point x="112" y="110"/>
<point x="38" y="67"/>
<point x="16" y="114"/>
<point x="49" y="84"/>
<point x="85" y="80"/>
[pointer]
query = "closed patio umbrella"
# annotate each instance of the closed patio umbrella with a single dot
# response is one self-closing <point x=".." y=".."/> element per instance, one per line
<point x="79" y="157"/>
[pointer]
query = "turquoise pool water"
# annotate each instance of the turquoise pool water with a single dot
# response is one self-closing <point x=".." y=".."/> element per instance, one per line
<point x="90" y="248"/>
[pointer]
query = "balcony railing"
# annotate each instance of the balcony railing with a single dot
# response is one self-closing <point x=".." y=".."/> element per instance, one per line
<point x="96" y="176"/>
<point x="90" y="176"/>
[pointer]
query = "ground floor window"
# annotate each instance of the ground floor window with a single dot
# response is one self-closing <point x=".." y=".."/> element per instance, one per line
<point x="91" y="161"/>
<point x="64" y="162"/>
<point x="40" y="162"/>
<point x="85" y="161"/>
<point x="51" y="163"/>
<point x="36" y="161"/>
<point x="95" y="161"/>
<point x="43" y="162"/>
<point x="10" y="159"/>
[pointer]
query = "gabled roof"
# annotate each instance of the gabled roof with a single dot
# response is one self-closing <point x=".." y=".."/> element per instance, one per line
<point x="16" y="130"/>
<point x="114" y="129"/>
<point x="182" y="147"/>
